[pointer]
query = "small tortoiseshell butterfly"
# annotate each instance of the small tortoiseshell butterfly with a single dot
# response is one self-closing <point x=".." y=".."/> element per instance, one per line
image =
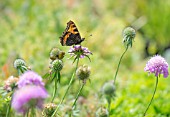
<point x="71" y="35"/>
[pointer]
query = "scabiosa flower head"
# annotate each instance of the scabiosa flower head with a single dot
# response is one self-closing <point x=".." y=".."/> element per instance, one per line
<point x="28" y="97"/>
<point x="128" y="36"/>
<point x="10" y="83"/>
<point x="157" y="65"/>
<point x="19" y="63"/>
<point x="109" y="89"/>
<point x="79" y="52"/>
<point x="49" y="109"/>
<point x="83" y="72"/>
<point x="57" y="65"/>
<point x="102" y="112"/>
<point x="56" y="54"/>
<point x="30" y="78"/>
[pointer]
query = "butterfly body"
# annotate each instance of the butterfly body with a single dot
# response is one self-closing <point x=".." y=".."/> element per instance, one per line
<point x="71" y="35"/>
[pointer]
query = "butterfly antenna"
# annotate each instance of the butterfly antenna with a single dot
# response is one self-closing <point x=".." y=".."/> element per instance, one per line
<point x="88" y="37"/>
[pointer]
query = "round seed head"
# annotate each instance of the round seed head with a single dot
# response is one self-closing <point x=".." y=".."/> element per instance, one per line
<point x="57" y="65"/>
<point x="18" y="63"/>
<point x="83" y="72"/>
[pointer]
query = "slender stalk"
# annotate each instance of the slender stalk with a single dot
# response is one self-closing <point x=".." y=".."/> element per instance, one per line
<point x="27" y="114"/>
<point x="55" y="88"/>
<point x="78" y="95"/>
<point x="33" y="113"/>
<point x="119" y="64"/>
<point x="8" y="110"/>
<point x="71" y="80"/>
<point x="109" y="103"/>
<point x="152" y="96"/>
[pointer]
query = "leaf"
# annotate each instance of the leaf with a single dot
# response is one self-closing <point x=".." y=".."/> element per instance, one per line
<point x="47" y="75"/>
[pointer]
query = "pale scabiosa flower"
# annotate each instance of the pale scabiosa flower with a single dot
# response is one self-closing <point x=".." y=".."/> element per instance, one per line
<point x="102" y="112"/>
<point x="48" y="109"/>
<point x="56" y="54"/>
<point x="10" y="83"/>
<point x="28" y="97"/>
<point x="83" y="72"/>
<point x="79" y="52"/>
<point x="157" y="65"/>
<point x="30" y="78"/>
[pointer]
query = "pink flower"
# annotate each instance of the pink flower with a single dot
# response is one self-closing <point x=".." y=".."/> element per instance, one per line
<point x="157" y="65"/>
<point x="79" y="51"/>
<point x="27" y="97"/>
<point x="30" y="78"/>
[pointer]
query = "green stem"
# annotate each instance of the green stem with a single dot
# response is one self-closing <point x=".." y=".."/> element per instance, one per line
<point x="33" y="113"/>
<point x="8" y="110"/>
<point x="152" y="96"/>
<point x="55" y="88"/>
<point x="119" y="64"/>
<point x="71" y="80"/>
<point x="109" y="103"/>
<point x="78" y="95"/>
<point x="27" y="114"/>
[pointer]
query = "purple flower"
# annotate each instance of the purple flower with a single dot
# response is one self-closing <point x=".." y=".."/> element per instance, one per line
<point x="79" y="51"/>
<point x="157" y="65"/>
<point x="30" y="78"/>
<point x="27" y="97"/>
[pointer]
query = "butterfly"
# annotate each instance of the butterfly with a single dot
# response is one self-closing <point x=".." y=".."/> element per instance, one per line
<point x="71" y="35"/>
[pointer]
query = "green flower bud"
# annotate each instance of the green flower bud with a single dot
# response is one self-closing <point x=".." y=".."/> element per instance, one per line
<point x="18" y="63"/>
<point x="49" y="109"/>
<point x="109" y="89"/>
<point x="128" y="36"/>
<point x="57" y="65"/>
<point x="102" y="112"/>
<point x="56" y="54"/>
<point x="83" y="72"/>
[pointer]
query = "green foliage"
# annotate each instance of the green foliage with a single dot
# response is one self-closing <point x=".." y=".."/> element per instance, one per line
<point x="30" y="28"/>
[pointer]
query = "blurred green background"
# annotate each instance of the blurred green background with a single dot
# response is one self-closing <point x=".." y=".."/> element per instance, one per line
<point x="30" y="28"/>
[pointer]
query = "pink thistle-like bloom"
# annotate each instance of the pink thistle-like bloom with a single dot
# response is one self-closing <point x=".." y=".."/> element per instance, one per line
<point x="79" y="51"/>
<point x="30" y="78"/>
<point x="10" y="83"/>
<point x="27" y="97"/>
<point x="157" y="65"/>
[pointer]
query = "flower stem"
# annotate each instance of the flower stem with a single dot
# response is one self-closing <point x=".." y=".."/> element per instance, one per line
<point x="55" y="88"/>
<point x="71" y="80"/>
<point x="27" y="114"/>
<point x="8" y="110"/>
<point x="33" y="113"/>
<point x="81" y="88"/>
<point x="119" y="64"/>
<point x="109" y="103"/>
<point x="152" y="96"/>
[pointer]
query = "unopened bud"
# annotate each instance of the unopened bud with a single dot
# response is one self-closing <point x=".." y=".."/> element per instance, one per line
<point x="128" y="36"/>
<point x="56" y="54"/>
<point x="18" y="63"/>
<point x="109" y="89"/>
<point x="57" y="65"/>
